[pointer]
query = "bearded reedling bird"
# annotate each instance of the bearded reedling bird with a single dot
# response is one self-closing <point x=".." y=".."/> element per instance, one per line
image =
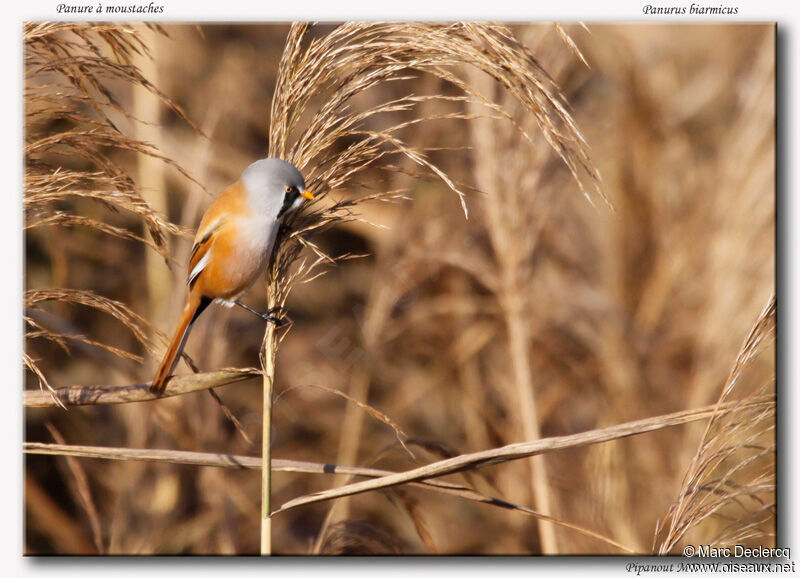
<point x="233" y="243"/>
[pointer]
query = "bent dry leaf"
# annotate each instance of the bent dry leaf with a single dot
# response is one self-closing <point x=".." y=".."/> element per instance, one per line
<point x="279" y="465"/>
<point x="100" y="394"/>
<point x="521" y="450"/>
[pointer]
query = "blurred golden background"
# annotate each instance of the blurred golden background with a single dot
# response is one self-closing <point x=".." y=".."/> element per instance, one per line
<point x="455" y="328"/>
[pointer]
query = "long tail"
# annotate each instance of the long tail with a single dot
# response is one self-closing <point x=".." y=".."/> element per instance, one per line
<point x="195" y="305"/>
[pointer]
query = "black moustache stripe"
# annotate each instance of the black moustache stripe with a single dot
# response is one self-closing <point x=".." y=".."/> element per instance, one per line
<point x="288" y="201"/>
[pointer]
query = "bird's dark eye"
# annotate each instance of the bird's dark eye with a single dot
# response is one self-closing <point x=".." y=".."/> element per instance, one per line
<point x="288" y="199"/>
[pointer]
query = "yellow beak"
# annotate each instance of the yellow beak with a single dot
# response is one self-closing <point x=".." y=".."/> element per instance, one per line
<point x="307" y="195"/>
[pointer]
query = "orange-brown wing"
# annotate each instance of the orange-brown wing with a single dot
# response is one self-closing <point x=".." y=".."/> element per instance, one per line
<point x="203" y="242"/>
<point x="228" y="204"/>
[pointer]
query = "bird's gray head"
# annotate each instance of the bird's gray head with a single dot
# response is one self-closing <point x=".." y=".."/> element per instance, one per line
<point x="275" y="187"/>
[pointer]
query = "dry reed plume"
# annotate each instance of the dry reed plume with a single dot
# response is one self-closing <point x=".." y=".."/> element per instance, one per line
<point x="732" y="476"/>
<point x="68" y="140"/>
<point x="355" y="58"/>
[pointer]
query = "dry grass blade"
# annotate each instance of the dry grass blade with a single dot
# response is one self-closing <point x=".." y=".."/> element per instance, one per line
<point x="45" y="189"/>
<point x="50" y="397"/>
<point x="571" y="43"/>
<point x="61" y="219"/>
<point x="137" y="324"/>
<point x="100" y="394"/>
<point x="231" y="417"/>
<point x="62" y="340"/>
<point x="734" y="466"/>
<point x="279" y="465"/>
<point x="405" y="501"/>
<point x="59" y="525"/>
<point x="378" y="415"/>
<point x="523" y="450"/>
<point x="82" y="490"/>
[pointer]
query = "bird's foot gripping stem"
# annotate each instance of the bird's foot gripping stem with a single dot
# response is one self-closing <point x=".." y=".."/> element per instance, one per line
<point x="268" y="315"/>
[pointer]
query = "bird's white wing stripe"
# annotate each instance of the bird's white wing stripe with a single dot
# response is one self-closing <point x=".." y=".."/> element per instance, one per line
<point x="201" y="264"/>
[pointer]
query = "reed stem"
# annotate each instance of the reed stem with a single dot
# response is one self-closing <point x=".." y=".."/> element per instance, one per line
<point x="268" y="351"/>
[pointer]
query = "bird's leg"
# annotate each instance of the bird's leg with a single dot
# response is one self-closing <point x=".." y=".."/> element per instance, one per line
<point x="267" y="315"/>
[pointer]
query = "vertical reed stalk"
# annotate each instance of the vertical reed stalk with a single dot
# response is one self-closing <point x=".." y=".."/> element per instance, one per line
<point x="268" y="350"/>
<point x="150" y="172"/>
<point x="352" y="427"/>
<point x="266" y="450"/>
<point x="519" y="341"/>
<point x="512" y="241"/>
